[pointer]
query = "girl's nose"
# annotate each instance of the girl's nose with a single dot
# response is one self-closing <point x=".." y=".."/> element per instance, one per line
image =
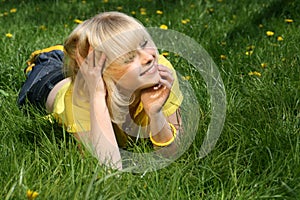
<point x="146" y="57"/>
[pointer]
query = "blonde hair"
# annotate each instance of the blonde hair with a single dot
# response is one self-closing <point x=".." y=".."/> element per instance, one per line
<point x="116" y="35"/>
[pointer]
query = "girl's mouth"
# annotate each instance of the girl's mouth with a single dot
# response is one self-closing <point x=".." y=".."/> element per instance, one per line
<point x="150" y="70"/>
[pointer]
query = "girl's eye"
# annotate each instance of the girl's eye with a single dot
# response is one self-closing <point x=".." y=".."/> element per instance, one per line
<point x="130" y="57"/>
<point x="144" y="43"/>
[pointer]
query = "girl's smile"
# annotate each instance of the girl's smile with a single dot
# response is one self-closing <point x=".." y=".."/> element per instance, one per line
<point x="152" y="69"/>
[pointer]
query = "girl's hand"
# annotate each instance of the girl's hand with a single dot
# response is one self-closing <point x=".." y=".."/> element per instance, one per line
<point x="91" y="69"/>
<point x="155" y="97"/>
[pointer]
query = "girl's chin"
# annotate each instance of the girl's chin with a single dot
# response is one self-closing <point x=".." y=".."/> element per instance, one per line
<point x="148" y="83"/>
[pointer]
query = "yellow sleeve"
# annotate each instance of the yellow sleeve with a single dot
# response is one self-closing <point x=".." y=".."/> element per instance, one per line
<point x="63" y="110"/>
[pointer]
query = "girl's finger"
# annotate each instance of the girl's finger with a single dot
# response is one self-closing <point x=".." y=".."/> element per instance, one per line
<point x="164" y="68"/>
<point x="99" y="59"/>
<point x="166" y="83"/>
<point x="94" y="58"/>
<point x="165" y="72"/>
<point x="102" y="61"/>
<point x="166" y="77"/>
<point x="94" y="61"/>
<point x="91" y="60"/>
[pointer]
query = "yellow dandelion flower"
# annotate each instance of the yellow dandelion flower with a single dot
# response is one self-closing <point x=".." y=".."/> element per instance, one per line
<point x="49" y="118"/>
<point x="186" y="78"/>
<point x="210" y="10"/>
<point x="223" y="57"/>
<point x="5" y="13"/>
<point x="143" y="11"/>
<point x="8" y="35"/>
<point x="260" y="26"/>
<point x="223" y="43"/>
<point x="274" y="44"/>
<point x="263" y="65"/>
<point x="185" y="21"/>
<point x="133" y="12"/>
<point x="78" y="21"/>
<point x="249" y="53"/>
<point x="279" y="38"/>
<point x="165" y="53"/>
<point x="163" y="26"/>
<point x="289" y="20"/>
<point x="65" y="25"/>
<point x="13" y="10"/>
<point x="251" y="47"/>
<point x="159" y="12"/>
<point x="31" y="195"/>
<point x="270" y="33"/>
<point x="43" y="27"/>
<point x="119" y="8"/>
<point x="255" y="73"/>
<point x="105" y="1"/>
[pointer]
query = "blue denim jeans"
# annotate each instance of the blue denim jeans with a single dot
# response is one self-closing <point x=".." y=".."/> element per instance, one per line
<point x="47" y="72"/>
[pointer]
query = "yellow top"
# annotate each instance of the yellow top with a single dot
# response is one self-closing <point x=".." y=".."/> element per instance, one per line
<point x="64" y="107"/>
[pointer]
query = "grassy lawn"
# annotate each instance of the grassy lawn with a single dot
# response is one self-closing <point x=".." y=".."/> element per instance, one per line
<point x="255" y="45"/>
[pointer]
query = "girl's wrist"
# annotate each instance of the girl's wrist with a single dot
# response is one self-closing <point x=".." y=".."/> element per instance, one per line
<point x="98" y="94"/>
<point x="157" y="122"/>
<point x="161" y="133"/>
<point x="156" y="116"/>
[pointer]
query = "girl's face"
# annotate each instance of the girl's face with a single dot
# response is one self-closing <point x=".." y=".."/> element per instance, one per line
<point x="139" y="68"/>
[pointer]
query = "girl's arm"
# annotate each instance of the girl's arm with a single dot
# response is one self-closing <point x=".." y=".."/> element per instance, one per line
<point x="163" y="130"/>
<point x="100" y="140"/>
<point x="166" y="133"/>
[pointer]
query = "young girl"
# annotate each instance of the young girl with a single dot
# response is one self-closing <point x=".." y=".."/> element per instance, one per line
<point x="116" y="87"/>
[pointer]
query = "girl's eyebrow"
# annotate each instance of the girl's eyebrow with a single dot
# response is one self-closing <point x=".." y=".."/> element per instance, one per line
<point x="144" y="43"/>
<point x="129" y="57"/>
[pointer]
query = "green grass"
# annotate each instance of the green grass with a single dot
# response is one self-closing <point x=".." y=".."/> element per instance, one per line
<point x="258" y="153"/>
